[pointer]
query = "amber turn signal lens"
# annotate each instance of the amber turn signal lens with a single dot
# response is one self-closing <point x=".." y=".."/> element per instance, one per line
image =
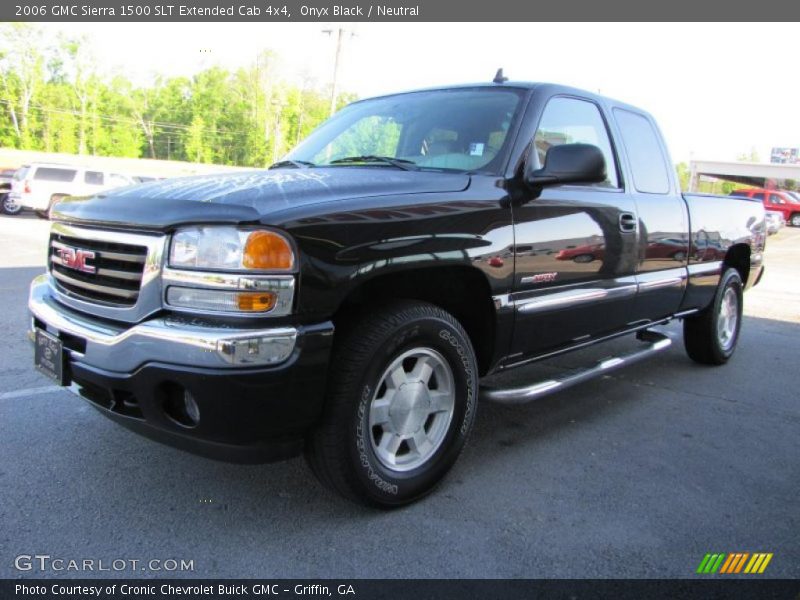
<point x="267" y="250"/>
<point x="255" y="301"/>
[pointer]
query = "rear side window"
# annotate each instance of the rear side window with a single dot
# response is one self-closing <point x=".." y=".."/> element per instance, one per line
<point x="54" y="174"/>
<point x="574" y="121"/>
<point x="93" y="177"/>
<point x="758" y="196"/>
<point x="117" y="179"/>
<point x="650" y="174"/>
<point x="740" y="193"/>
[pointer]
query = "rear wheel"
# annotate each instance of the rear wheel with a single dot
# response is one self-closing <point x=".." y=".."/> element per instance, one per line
<point x="710" y="337"/>
<point x="401" y="403"/>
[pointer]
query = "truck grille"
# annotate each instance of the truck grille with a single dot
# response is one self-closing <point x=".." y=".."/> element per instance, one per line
<point x="111" y="273"/>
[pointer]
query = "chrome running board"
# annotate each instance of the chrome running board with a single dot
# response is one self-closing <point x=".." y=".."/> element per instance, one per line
<point x="654" y="343"/>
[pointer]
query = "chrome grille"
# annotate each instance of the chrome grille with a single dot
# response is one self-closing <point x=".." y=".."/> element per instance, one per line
<point x="117" y="270"/>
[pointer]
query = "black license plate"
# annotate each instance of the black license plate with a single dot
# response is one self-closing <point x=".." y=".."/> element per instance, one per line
<point x="48" y="356"/>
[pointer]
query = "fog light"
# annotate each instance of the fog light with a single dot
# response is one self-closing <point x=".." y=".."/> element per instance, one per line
<point x="191" y="408"/>
<point x="180" y="405"/>
<point x="262" y="350"/>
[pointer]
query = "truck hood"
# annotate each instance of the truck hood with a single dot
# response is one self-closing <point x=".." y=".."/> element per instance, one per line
<point x="246" y="196"/>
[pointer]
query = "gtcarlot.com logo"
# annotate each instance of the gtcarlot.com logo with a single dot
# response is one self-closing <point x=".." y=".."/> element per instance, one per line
<point x="735" y="562"/>
<point x="48" y="563"/>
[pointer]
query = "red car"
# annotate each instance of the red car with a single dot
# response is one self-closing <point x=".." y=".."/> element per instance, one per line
<point x="781" y="201"/>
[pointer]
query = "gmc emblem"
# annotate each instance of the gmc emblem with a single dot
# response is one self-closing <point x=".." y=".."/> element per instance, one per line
<point x="75" y="258"/>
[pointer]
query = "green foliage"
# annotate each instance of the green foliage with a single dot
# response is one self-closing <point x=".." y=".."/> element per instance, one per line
<point x="52" y="98"/>
<point x="751" y="156"/>
<point x="683" y="175"/>
<point x="728" y="187"/>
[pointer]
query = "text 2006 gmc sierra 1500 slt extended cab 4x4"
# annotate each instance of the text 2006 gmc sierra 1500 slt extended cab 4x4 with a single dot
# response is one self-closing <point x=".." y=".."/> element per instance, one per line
<point x="346" y="302"/>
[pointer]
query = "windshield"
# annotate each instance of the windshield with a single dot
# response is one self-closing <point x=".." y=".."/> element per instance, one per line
<point x="795" y="196"/>
<point x="461" y="130"/>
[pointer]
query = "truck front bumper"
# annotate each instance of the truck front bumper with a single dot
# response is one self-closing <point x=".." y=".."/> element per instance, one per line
<point x="238" y="394"/>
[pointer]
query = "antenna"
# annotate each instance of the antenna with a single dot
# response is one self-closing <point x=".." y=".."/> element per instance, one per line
<point x="499" y="77"/>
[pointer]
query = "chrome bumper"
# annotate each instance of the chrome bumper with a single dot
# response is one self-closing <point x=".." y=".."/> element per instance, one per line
<point x="176" y="341"/>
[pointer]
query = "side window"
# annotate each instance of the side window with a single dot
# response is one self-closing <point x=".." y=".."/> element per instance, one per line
<point x="54" y="174"/>
<point x="650" y="174"/>
<point x="758" y="196"/>
<point x="573" y="121"/>
<point x="93" y="178"/>
<point x="118" y="180"/>
<point x="775" y="199"/>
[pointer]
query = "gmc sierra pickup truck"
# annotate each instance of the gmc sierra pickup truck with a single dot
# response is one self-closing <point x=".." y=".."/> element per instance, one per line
<point x="347" y="302"/>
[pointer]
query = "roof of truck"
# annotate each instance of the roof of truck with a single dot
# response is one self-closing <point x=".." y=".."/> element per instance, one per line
<point x="518" y="85"/>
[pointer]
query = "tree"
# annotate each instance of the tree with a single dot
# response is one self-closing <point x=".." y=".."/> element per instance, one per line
<point x="52" y="98"/>
<point x="196" y="148"/>
<point x="21" y="75"/>
<point x="751" y="156"/>
<point x="683" y="175"/>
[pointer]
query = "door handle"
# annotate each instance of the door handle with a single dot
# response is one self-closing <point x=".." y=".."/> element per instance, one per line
<point x="627" y="222"/>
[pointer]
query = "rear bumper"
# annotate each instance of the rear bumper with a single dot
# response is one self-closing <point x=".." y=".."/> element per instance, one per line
<point x="136" y="376"/>
<point x="30" y="201"/>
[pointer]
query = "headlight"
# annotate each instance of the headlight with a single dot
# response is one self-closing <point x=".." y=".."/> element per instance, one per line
<point x="230" y="271"/>
<point x="230" y="249"/>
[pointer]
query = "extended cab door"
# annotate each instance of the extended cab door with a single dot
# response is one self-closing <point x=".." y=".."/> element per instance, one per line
<point x="664" y="244"/>
<point x="576" y="245"/>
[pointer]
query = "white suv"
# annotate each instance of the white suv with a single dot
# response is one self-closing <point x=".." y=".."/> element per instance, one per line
<point x="39" y="185"/>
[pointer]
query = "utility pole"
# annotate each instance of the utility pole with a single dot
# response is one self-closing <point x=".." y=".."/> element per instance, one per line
<point x="340" y="31"/>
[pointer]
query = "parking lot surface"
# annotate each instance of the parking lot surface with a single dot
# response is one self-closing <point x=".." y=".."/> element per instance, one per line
<point x="639" y="474"/>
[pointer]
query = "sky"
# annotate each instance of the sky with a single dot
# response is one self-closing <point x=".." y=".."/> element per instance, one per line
<point x="717" y="90"/>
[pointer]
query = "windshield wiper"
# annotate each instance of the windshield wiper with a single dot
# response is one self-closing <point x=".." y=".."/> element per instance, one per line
<point x="297" y="164"/>
<point x="400" y="163"/>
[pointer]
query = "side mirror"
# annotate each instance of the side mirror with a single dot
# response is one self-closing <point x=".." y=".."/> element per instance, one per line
<point x="568" y="163"/>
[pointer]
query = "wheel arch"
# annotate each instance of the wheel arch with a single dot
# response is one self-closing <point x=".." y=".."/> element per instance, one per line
<point x="461" y="290"/>
<point x="738" y="257"/>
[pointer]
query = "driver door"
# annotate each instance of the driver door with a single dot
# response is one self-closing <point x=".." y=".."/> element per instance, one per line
<point x="575" y="273"/>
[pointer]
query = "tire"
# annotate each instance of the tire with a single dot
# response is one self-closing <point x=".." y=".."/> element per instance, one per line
<point x="583" y="258"/>
<point x="382" y="442"/>
<point x="710" y="337"/>
<point x="795" y="220"/>
<point x="9" y="207"/>
<point x="680" y="255"/>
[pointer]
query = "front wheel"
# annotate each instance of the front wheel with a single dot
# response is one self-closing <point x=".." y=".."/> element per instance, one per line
<point x="795" y="220"/>
<point x="10" y="207"/>
<point x="401" y="403"/>
<point x="710" y="337"/>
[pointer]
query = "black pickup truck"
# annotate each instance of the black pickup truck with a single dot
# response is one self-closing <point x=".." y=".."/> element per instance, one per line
<point x="347" y="302"/>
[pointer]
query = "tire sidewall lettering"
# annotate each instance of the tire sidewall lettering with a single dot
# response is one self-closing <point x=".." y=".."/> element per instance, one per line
<point x="466" y="379"/>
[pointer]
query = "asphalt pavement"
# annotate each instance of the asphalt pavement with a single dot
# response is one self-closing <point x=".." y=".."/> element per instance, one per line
<point x="639" y="474"/>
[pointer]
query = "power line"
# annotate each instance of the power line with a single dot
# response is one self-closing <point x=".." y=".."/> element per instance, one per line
<point x="160" y="125"/>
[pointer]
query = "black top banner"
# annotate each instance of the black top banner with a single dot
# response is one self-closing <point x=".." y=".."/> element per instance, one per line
<point x="267" y="11"/>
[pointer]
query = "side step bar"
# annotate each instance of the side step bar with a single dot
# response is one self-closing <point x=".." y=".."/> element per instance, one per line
<point x="654" y="343"/>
